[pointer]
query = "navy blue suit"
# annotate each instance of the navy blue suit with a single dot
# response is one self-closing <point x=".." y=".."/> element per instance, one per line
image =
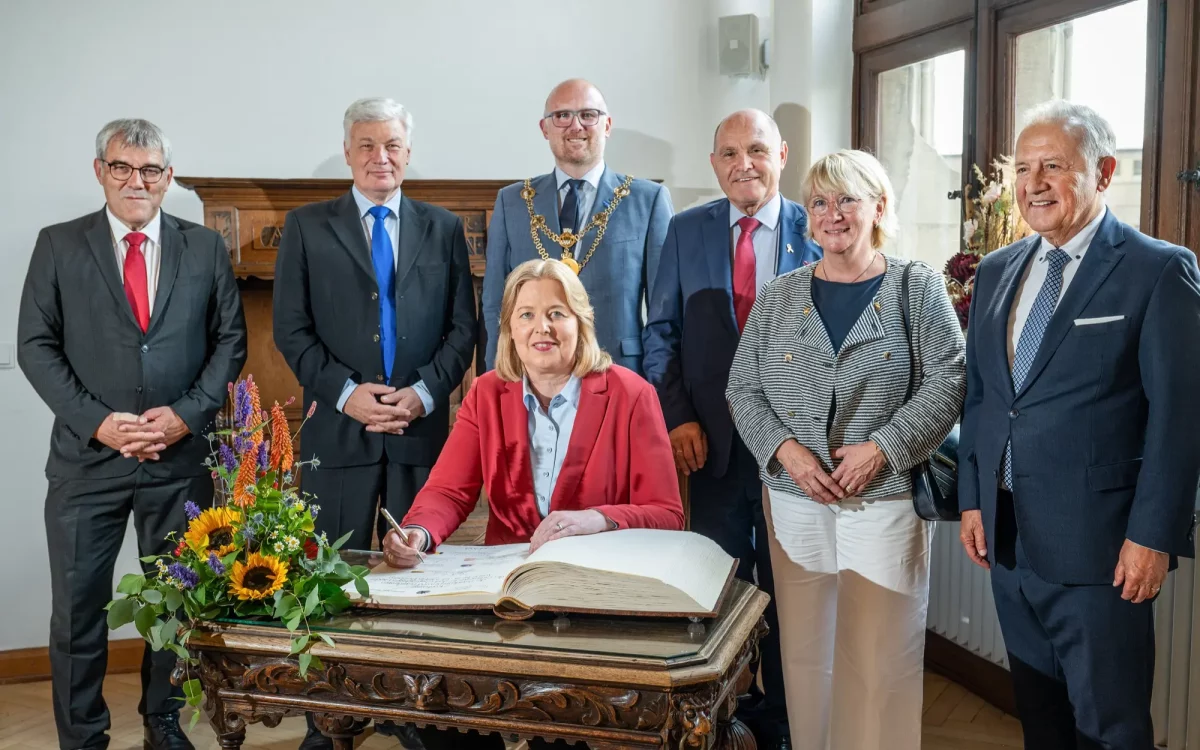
<point x="1103" y="450"/>
<point x="690" y="338"/>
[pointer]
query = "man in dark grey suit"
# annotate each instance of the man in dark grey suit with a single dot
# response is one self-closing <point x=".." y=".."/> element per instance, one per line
<point x="130" y="329"/>
<point x="1079" y="459"/>
<point x="375" y="314"/>
<point x="615" y="254"/>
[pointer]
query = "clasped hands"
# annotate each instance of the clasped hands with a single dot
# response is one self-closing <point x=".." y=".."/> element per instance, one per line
<point x="401" y="552"/>
<point x="142" y="437"/>
<point x="383" y="408"/>
<point x="860" y="463"/>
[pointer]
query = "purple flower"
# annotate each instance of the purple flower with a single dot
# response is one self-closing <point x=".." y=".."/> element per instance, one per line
<point x="191" y="510"/>
<point x="186" y="577"/>
<point x="313" y="510"/>
<point x="248" y="533"/>
<point x="241" y="404"/>
<point x="215" y="564"/>
<point x="239" y="444"/>
<point x="228" y="460"/>
<point x="263" y="456"/>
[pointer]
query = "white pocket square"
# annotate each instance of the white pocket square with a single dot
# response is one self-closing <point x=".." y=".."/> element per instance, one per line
<point x="1096" y="321"/>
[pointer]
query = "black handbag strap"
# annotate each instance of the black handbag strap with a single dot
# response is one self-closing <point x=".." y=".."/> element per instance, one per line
<point x="906" y="313"/>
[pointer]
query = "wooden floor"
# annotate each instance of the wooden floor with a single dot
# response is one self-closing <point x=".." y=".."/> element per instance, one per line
<point x="954" y="720"/>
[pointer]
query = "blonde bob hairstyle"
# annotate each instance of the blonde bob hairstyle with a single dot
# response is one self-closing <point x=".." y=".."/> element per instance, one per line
<point x="589" y="357"/>
<point x="858" y="175"/>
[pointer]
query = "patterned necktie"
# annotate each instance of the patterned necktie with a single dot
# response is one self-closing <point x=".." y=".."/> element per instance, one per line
<point x="1035" y="328"/>
<point x="135" y="280"/>
<point x="385" y="276"/>
<point x="568" y="215"/>
<point x="745" y="285"/>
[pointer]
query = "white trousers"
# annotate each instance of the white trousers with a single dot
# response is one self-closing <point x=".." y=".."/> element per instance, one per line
<point x="852" y="590"/>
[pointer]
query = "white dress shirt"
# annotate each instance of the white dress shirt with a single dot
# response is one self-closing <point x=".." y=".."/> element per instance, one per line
<point x="766" y="239"/>
<point x="151" y="249"/>
<point x="549" y="436"/>
<point x="391" y="224"/>
<point x="1035" y="276"/>
<point x="586" y="198"/>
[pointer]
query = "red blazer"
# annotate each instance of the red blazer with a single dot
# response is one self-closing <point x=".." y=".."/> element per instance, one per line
<point x="618" y="461"/>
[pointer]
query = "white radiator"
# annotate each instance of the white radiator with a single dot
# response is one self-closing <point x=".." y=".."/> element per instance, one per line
<point x="960" y="599"/>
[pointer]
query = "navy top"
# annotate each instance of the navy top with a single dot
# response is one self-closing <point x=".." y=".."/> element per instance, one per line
<point x="841" y="304"/>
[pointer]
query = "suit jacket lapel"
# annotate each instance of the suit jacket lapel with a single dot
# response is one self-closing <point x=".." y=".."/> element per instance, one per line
<point x="347" y="225"/>
<point x="100" y="240"/>
<point x="414" y="230"/>
<point x="545" y="202"/>
<point x="793" y="240"/>
<point x="717" y="253"/>
<point x="811" y="329"/>
<point x="516" y="445"/>
<point x="593" y="403"/>
<point x="605" y="191"/>
<point x="172" y="247"/>
<point x="1006" y="295"/>
<point x="1101" y="258"/>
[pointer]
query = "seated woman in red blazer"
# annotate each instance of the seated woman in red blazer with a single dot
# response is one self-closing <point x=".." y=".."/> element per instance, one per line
<point x="563" y="441"/>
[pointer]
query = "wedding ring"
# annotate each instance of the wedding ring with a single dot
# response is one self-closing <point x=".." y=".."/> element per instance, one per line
<point x="559" y="526"/>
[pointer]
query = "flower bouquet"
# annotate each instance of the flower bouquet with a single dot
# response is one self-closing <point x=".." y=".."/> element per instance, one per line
<point x="991" y="222"/>
<point x="253" y="553"/>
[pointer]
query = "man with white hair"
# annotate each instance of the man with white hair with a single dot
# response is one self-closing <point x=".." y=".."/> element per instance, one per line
<point x="130" y="328"/>
<point x="608" y="227"/>
<point x="375" y="314"/>
<point x="1079" y="462"/>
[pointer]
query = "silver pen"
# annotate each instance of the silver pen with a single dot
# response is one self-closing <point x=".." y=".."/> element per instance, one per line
<point x="403" y="534"/>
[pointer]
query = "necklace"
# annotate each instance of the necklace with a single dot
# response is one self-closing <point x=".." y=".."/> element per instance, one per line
<point x="568" y="239"/>
<point x="821" y="265"/>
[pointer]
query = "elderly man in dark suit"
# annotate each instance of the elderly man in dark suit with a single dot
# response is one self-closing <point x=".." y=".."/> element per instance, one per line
<point x="130" y="329"/>
<point x="1079" y="460"/>
<point x="375" y="314"/>
<point x="611" y="226"/>
<point x="716" y="259"/>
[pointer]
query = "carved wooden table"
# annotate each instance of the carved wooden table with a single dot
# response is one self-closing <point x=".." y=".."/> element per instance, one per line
<point x="609" y="682"/>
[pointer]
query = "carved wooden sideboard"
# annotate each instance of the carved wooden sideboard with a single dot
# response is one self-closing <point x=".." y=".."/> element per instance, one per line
<point x="610" y="682"/>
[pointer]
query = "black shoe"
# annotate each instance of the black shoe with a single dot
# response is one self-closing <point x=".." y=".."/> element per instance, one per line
<point x="780" y="743"/>
<point x="314" y="740"/>
<point x="162" y="732"/>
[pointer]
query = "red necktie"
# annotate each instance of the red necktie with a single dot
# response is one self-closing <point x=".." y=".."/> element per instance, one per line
<point x="745" y="285"/>
<point x="135" y="279"/>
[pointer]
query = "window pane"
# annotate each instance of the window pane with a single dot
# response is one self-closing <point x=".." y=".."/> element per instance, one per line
<point x="1062" y="62"/>
<point x="920" y="145"/>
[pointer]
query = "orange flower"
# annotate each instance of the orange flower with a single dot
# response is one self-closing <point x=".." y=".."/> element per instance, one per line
<point x="281" y="440"/>
<point x="247" y="476"/>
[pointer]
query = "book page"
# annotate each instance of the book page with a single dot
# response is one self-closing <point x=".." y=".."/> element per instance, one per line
<point x="449" y="572"/>
<point x="692" y="563"/>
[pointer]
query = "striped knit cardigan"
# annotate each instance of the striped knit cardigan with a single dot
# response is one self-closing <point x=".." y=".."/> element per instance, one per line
<point x="786" y="375"/>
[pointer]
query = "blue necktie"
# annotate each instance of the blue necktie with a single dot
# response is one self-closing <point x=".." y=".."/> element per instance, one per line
<point x="568" y="215"/>
<point x="1034" y="330"/>
<point x="385" y="275"/>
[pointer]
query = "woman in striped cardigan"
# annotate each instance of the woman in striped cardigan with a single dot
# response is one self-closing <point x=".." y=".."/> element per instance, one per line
<point x="817" y="392"/>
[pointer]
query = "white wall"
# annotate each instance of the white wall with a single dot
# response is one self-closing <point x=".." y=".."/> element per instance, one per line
<point x="258" y="89"/>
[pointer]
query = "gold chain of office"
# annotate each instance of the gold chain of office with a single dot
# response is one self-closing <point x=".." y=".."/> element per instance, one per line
<point x="568" y="239"/>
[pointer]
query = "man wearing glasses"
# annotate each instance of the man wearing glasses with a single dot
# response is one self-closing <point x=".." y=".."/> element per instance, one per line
<point x="130" y="329"/>
<point x="607" y="226"/>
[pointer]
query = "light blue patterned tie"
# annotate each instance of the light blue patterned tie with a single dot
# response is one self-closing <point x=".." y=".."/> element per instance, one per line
<point x="385" y="276"/>
<point x="1032" y="333"/>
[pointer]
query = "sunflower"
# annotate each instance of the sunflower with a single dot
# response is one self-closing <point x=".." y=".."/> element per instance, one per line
<point x="212" y="531"/>
<point x="258" y="578"/>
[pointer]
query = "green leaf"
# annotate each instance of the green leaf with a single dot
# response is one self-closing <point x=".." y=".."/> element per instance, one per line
<point x="294" y="622"/>
<point x="299" y="644"/>
<point x="179" y="651"/>
<point x="152" y="596"/>
<point x="361" y="586"/>
<point x="156" y="636"/>
<point x="316" y="661"/>
<point x="173" y="599"/>
<point x="144" y="619"/>
<point x="314" y="599"/>
<point x="305" y="661"/>
<point x="200" y="595"/>
<point x="147" y="559"/>
<point x="193" y="692"/>
<point x="328" y="641"/>
<point x="121" y="613"/>
<point x="195" y="716"/>
<point x="131" y="584"/>
<point x="338" y="544"/>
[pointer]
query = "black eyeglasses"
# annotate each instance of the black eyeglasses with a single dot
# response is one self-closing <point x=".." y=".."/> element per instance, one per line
<point x="122" y="171"/>
<point x="587" y="117"/>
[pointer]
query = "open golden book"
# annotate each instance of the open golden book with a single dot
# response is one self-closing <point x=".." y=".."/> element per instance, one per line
<point x="628" y="572"/>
